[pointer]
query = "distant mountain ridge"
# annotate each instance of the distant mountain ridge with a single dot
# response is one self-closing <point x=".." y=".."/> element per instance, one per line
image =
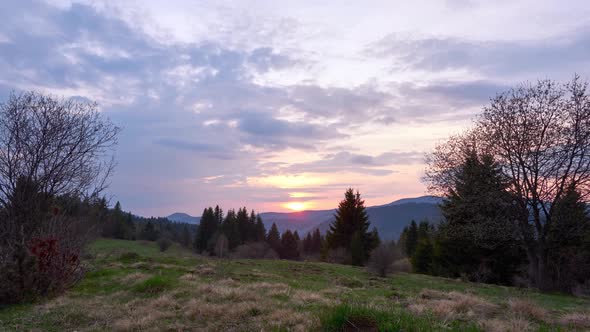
<point x="184" y="218"/>
<point x="389" y="219"/>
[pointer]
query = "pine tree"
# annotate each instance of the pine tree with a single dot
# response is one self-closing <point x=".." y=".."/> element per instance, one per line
<point x="569" y="238"/>
<point x="207" y="227"/>
<point x="307" y="244"/>
<point x="231" y="229"/>
<point x="289" y="246"/>
<point x="317" y="241"/>
<point x="149" y="232"/>
<point x="351" y="217"/>
<point x="274" y="238"/>
<point x="477" y="238"/>
<point x="411" y="239"/>
<point x="260" y="230"/>
<point x="423" y="257"/>
<point x="186" y="236"/>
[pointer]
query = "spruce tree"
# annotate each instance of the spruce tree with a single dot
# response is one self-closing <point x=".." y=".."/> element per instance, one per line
<point x="316" y="242"/>
<point x="207" y="227"/>
<point x="231" y="229"/>
<point x="289" y="246"/>
<point x="274" y="238"/>
<point x="260" y="233"/>
<point x="411" y="239"/>
<point x="477" y="238"/>
<point x="569" y="239"/>
<point x="350" y="219"/>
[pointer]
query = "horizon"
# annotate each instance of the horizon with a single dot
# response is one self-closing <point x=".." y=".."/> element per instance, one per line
<point x="302" y="211"/>
<point x="282" y="106"/>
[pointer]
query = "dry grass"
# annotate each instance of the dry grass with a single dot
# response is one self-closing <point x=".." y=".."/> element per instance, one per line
<point x="453" y="305"/>
<point x="134" y="277"/>
<point x="220" y="292"/>
<point x="292" y="320"/>
<point x="205" y="270"/>
<point x="515" y="324"/>
<point x="577" y="320"/>
<point x="527" y="309"/>
<point x="189" y="277"/>
<point x="302" y="297"/>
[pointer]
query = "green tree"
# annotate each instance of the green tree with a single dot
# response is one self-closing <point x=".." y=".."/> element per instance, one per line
<point x="260" y="230"/>
<point x="350" y="219"/>
<point x="231" y="229"/>
<point x="149" y="232"/>
<point x="477" y="238"/>
<point x="568" y="242"/>
<point x="289" y="246"/>
<point x="207" y="228"/>
<point x="274" y="238"/>
<point x="186" y="236"/>
<point x="422" y="259"/>
<point x="411" y="239"/>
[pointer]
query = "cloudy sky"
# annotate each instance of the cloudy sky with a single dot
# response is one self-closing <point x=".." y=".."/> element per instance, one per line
<point x="282" y="105"/>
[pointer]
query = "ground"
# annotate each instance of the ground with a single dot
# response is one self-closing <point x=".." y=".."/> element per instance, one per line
<point x="130" y="285"/>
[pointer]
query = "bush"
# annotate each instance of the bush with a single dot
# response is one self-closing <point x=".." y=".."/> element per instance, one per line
<point x="254" y="250"/>
<point x="164" y="244"/>
<point x="381" y="260"/>
<point x="48" y="264"/>
<point x="402" y="265"/>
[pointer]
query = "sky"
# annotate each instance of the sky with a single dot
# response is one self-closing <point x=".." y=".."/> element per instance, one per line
<point x="282" y="105"/>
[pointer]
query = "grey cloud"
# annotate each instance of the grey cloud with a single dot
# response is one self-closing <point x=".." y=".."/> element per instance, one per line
<point x="562" y="54"/>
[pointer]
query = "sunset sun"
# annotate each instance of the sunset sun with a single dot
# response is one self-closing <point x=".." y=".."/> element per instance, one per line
<point x="296" y="206"/>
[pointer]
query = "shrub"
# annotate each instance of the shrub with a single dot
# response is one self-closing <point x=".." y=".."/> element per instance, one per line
<point x="401" y="265"/>
<point x="164" y="243"/>
<point x="254" y="250"/>
<point x="381" y="260"/>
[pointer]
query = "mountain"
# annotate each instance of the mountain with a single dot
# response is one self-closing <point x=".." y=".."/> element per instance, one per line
<point x="183" y="217"/>
<point x="389" y="219"/>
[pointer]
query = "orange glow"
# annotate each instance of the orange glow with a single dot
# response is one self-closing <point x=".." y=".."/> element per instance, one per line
<point x="296" y="206"/>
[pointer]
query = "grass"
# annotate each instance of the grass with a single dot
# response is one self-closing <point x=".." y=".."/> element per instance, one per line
<point x="131" y="285"/>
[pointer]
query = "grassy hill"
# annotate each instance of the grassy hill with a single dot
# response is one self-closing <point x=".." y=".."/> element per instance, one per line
<point x="133" y="286"/>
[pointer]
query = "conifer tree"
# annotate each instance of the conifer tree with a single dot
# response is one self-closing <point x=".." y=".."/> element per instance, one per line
<point x="411" y="239"/>
<point x="207" y="227"/>
<point x="350" y="219"/>
<point x="231" y="229"/>
<point x="260" y="230"/>
<point x="477" y="238"/>
<point x="289" y="246"/>
<point x="307" y="244"/>
<point x="274" y="238"/>
<point x="186" y="236"/>
<point x="316" y="241"/>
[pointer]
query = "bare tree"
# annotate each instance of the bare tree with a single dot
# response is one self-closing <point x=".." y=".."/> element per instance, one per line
<point x="49" y="148"/>
<point x="540" y="136"/>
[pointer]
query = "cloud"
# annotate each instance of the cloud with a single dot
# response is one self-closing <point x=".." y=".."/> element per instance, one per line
<point x="564" y="53"/>
<point x="241" y="95"/>
<point x="379" y="165"/>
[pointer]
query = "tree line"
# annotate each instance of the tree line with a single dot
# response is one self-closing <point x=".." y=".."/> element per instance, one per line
<point x="243" y="234"/>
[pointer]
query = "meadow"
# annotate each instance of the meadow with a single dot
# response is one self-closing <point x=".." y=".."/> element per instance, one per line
<point x="132" y="286"/>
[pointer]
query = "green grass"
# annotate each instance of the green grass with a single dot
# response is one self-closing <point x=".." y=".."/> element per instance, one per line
<point x="131" y="285"/>
<point x="355" y="317"/>
<point x="154" y="285"/>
